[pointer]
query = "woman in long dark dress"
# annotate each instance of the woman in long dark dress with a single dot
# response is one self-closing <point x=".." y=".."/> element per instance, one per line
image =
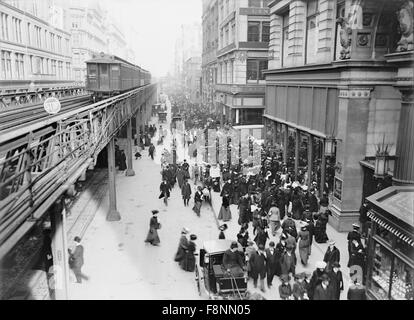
<point x="320" y="228"/>
<point x="182" y="246"/>
<point x="225" y="213"/>
<point x="188" y="263"/>
<point x="155" y="224"/>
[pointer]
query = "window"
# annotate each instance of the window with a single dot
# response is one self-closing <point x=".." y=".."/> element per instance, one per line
<point x="231" y="66"/>
<point x="4" y="26"/>
<point x="29" y="42"/>
<point x="60" y="69"/>
<point x="258" y="31"/>
<point x="46" y="67"/>
<point x="285" y="37"/>
<point x="38" y="36"/>
<point x="227" y="39"/>
<point x="253" y="31"/>
<point x="311" y="31"/>
<point x="45" y="42"/>
<point x="59" y="44"/>
<point x="52" y="42"/>
<point x="17" y="29"/>
<point x="6" y="65"/>
<point x="255" y="70"/>
<point x="225" y="72"/>
<point x="265" y="31"/>
<point x="53" y="67"/>
<point x="68" y="70"/>
<point x="19" y="66"/>
<point x="255" y="3"/>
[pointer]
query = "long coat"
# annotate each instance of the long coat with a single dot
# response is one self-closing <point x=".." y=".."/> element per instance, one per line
<point x="165" y="189"/>
<point x="336" y="282"/>
<point x="304" y="246"/>
<point x="288" y="263"/>
<point x="180" y="177"/>
<point x="273" y="262"/>
<point x="258" y="266"/>
<point x="182" y="247"/>
<point x="323" y="294"/>
<point x="331" y="256"/>
<point x="152" y="236"/>
<point x="188" y="262"/>
<point x="77" y="257"/>
<point x="186" y="191"/>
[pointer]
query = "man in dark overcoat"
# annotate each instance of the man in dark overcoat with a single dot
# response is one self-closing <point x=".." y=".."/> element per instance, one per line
<point x="272" y="263"/>
<point x="336" y="280"/>
<point x="76" y="260"/>
<point x="186" y="192"/>
<point x="323" y="291"/>
<point x="258" y="267"/>
<point x="332" y="255"/>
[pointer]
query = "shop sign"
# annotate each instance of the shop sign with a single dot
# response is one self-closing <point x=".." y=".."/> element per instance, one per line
<point x="52" y="105"/>
<point x="337" y="192"/>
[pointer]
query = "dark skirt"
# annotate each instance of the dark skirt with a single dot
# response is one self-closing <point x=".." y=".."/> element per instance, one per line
<point x="224" y="214"/>
<point x="188" y="262"/>
<point x="197" y="207"/>
<point x="153" y="237"/>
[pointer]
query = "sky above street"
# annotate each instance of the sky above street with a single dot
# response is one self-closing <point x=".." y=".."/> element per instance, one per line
<point x="151" y="27"/>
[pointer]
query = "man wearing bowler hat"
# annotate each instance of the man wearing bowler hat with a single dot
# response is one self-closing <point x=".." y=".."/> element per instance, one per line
<point x="323" y="291"/>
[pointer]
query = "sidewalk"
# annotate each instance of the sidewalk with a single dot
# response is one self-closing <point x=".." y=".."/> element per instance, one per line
<point x="318" y="249"/>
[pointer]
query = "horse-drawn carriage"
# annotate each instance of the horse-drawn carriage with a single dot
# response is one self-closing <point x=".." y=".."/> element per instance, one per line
<point x="162" y="116"/>
<point x="211" y="276"/>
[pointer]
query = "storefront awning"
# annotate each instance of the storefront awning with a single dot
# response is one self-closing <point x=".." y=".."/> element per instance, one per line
<point x="406" y="238"/>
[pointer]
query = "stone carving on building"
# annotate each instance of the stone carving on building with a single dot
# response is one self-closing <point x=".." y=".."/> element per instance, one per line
<point x="241" y="56"/>
<point x="345" y="35"/>
<point x="405" y="19"/>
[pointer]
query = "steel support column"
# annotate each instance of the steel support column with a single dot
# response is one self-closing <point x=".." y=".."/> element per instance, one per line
<point x="310" y="159"/>
<point x="60" y="279"/>
<point x="113" y="214"/>
<point x="323" y="168"/>
<point x="130" y="170"/>
<point x="297" y="138"/>
<point x="285" y="144"/>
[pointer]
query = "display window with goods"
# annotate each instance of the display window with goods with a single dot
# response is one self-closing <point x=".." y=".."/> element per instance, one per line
<point x="392" y="278"/>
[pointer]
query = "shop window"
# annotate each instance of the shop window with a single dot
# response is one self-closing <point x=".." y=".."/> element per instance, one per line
<point x="384" y="234"/>
<point x="392" y="278"/>
<point x="404" y="248"/>
<point x="381" y="272"/>
<point x="402" y="281"/>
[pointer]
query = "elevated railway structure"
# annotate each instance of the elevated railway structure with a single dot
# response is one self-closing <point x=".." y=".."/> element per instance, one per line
<point x="42" y="156"/>
<point x="10" y="99"/>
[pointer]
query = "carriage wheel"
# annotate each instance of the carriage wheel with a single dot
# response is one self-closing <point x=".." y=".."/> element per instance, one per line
<point x="198" y="280"/>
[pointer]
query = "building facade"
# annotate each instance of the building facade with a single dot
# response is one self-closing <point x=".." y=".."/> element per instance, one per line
<point x="243" y="30"/>
<point x="192" y="79"/>
<point x="209" y="52"/>
<point x="33" y="52"/>
<point x="187" y="45"/>
<point x="338" y="93"/>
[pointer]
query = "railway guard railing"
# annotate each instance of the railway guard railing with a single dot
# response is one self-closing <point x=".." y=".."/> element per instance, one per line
<point x="38" y="163"/>
<point x="15" y="99"/>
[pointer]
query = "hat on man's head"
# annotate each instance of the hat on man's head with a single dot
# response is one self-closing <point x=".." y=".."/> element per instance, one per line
<point x="223" y="227"/>
<point x="185" y="230"/>
<point x="154" y="211"/>
<point x="355" y="225"/>
<point x="320" y="265"/>
<point x="193" y="237"/>
<point x="331" y="242"/>
<point x="77" y="239"/>
<point x="325" y="277"/>
<point x="234" y="244"/>
<point x="285" y="277"/>
<point x="300" y="275"/>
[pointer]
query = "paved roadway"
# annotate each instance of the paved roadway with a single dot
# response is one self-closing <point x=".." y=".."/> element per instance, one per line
<point x="121" y="266"/>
